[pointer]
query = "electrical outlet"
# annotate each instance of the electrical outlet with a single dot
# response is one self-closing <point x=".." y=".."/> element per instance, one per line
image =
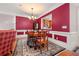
<point x="64" y="27"/>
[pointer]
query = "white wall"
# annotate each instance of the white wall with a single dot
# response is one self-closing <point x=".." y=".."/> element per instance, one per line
<point x="78" y="19"/>
<point x="78" y="25"/>
<point x="74" y="22"/>
<point x="73" y="18"/>
<point x="7" y="22"/>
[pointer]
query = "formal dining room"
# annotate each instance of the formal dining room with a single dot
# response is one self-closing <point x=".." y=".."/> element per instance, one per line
<point x="39" y="29"/>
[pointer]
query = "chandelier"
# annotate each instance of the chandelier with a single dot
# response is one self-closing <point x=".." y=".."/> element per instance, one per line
<point x="32" y="17"/>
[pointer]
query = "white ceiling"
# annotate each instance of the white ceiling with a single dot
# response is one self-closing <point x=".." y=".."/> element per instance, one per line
<point x="18" y="9"/>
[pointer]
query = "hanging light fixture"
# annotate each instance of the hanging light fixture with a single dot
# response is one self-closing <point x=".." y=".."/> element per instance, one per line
<point x="32" y="17"/>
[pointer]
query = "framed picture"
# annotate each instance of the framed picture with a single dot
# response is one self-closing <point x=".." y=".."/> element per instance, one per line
<point x="46" y="22"/>
<point x="35" y="26"/>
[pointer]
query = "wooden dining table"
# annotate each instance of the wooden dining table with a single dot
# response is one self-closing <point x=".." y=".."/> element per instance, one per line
<point x="67" y="53"/>
<point x="40" y="38"/>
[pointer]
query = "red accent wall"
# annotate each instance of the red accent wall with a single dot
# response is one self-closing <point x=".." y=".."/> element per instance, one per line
<point x="23" y="23"/>
<point x="60" y="17"/>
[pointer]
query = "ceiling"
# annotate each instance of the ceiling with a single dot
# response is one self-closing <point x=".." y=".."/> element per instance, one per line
<point x="25" y="9"/>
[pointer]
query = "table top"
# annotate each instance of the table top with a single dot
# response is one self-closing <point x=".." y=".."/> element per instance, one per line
<point x="67" y="53"/>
